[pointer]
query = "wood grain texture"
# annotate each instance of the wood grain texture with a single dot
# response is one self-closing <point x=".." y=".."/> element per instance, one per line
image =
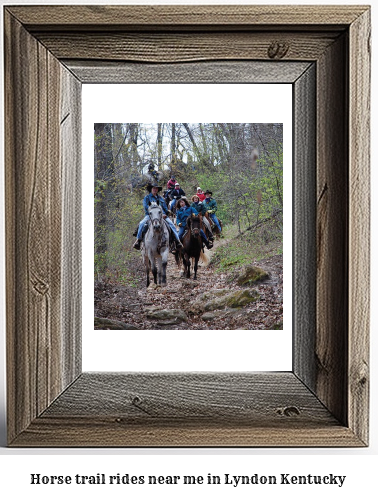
<point x="180" y="47"/>
<point x="70" y="139"/>
<point x="304" y="241"/>
<point x="100" y="432"/>
<point x="243" y="397"/>
<point x="323" y="402"/>
<point x="33" y="186"/>
<point x="359" y="226"/>
<point x="202" y="72"/>
<point x="331" y="351"/>
<point x="197" y="409"/>
<point x="33" y="228"/>
<point x="184" y="16"/>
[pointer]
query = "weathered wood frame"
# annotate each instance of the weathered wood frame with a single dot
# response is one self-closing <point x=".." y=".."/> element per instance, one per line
<point x="49" y="52"/>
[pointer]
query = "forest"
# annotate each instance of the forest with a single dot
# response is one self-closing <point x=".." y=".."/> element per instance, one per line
<point x="240" y="163"/>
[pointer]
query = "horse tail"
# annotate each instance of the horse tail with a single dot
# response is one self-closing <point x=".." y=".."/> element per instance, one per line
<point x="204" y="258"/>
<point x="178" y="258"/>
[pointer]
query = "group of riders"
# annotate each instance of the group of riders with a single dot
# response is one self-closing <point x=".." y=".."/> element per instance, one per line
<point x="202" y="203"/>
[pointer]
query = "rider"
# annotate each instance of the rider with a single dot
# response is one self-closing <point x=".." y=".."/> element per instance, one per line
<point x="153" y="195"/>
<point x="170" y="187"/>
<point x="171" y="183"/>
<point x="152" y="172"/>
<point x="200" y="194"/>
<point x="184" y="211"/>
<point x="176" y="194"/>
<point x="197" y="205"/>
<point x="210" y="205"/>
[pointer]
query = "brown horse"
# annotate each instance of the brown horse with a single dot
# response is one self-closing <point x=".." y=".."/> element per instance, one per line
<point x="192" y="244"/>
<point x="214" y="227"/>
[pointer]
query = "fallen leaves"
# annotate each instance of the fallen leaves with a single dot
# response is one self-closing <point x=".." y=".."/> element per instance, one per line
<point x="131" y="305"/>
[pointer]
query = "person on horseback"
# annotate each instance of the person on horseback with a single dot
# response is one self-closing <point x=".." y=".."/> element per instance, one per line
<point x="153" y="190"/>
<point x="200" y="194"/>
<point x="184" y="211"/>
<point x="210" y="205"/>
<point x="152" y="172"/>
<point x="197" y="205"/>
<point x="171" y="183"/>
<point x="170" y="187"/>
<point x="176" y="194"/>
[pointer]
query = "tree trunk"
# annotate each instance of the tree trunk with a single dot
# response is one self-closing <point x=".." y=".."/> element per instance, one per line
<point x="159" y="145"/>
<point x="173" y="145"/>
<point x="104" y="178"/>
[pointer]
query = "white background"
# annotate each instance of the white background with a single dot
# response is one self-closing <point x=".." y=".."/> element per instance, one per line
<point x="182" y="350"/>
<point x="359" y="465"/>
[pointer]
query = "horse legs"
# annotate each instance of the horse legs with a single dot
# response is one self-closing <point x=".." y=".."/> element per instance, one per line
<point x="154" y="272"/>
<point x="147" y="266"/>
<point x="164" y="261"/>
<point x="187" y="266"/>
<point x="151" y="258"/>
<point x="195" y="267"/>
<point x="162" y="269"/>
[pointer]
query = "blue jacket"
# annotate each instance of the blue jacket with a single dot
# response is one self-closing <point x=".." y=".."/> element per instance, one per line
<point x="183" y="213"/>
<point x="199" y="207"/>
<point x="150" y="198"/>
<point x="211" y="205"/>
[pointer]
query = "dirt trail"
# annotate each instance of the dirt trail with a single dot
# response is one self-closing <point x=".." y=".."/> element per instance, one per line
<point x="132" y="305"/>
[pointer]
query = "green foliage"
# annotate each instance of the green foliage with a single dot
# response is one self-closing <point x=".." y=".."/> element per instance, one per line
<point x="116" y="263"/>
<point x="247" y="187"/>
<point x="240" y="251"/>
<point x="119" y="259"/>
<point x="215" y="182"/>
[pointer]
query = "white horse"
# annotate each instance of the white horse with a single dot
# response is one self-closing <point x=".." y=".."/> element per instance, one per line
<point x="155" y="247"/>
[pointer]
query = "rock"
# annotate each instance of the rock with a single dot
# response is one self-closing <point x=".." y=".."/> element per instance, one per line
<point x="112" y="324"/>
<point x="217" y="292"/>
<point x="209" y="316"/>
<point x="224" y="313"/>
<point x="190" y="284"/>
<point x="252" y="274"/>
<point x="167" y="316"/>
<point x="238" y="298"/>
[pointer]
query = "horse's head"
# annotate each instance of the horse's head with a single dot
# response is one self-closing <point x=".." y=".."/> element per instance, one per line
<point x="194" y="224"/>
<point x="155" y="213"/>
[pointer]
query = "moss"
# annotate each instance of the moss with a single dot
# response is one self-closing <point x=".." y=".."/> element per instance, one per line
<point x="214" y="293"/>
<point x="277" y="326"/>
<point x="239" y="298"/>
<point x="251" y="275"/>
<point x="112" y="324"/>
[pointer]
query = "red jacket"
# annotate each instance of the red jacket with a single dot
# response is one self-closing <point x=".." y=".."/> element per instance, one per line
<point x="171" y="184"/>
<point x="201" y="196"/>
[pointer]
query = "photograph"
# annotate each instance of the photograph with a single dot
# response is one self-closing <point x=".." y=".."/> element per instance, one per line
<point x="126" y="246"/>
<point x="188" y="226"/>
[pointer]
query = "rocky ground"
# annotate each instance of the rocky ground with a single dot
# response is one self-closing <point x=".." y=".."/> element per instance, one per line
<point x="215" y="301"/>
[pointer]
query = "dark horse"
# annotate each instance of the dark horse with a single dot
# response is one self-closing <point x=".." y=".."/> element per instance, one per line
<point x="192" y="245"/>
<point x="214" y="227"/>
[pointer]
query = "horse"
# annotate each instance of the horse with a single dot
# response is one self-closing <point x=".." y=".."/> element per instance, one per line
<point x="214" y="227"/>
<point x="141" y="181"/>
<point x="192" y="245"/>
<point x="155" y="248"/>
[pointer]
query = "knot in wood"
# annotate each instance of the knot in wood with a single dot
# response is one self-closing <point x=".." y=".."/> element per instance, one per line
<point x="278" y="50"/>
<point x="289" y="411"/>
<point x="41" y="287"/>
<point x="136" y="400"/>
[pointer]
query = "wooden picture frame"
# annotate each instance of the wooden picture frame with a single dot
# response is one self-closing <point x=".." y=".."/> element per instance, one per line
<point x="324" y="52"/>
